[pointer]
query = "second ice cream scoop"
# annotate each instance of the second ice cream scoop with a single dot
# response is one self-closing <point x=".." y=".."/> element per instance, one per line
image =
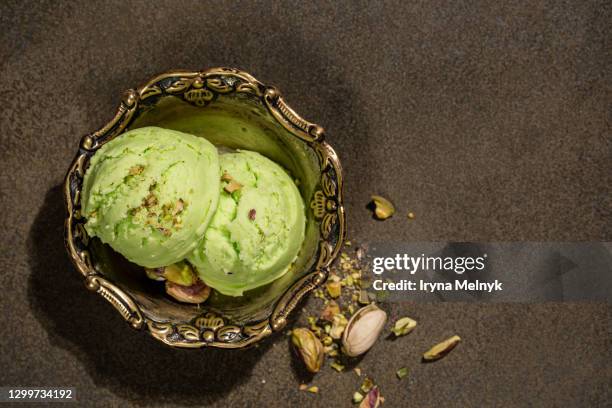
<point x="258" y="228"/>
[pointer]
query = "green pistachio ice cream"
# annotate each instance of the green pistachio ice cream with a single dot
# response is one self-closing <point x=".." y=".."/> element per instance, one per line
<point x="151" y="193"/>
<point x="258" y="227"/>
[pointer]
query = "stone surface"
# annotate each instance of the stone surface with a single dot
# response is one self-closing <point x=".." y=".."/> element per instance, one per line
<point x="488" y="121"/>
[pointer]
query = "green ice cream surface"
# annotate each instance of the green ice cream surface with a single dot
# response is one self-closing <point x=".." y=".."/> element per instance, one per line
<point x="150" y="194"/>
<point x="257" y="230"/>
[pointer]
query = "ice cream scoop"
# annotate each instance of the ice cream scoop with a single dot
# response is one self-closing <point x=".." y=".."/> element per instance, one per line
<point x="151" y="193"/>
<point x="258" y="228"/>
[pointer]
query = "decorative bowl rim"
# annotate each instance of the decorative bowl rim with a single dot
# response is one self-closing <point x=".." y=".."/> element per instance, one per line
<point x="199" y="88"/>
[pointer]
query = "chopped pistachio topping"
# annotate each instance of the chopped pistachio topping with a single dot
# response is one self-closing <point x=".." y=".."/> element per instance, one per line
<point x="136" y="170"/>
<point x="232" y="186"/>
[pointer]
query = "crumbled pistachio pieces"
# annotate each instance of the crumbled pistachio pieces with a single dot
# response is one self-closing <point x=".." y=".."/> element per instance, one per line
<point x="357" y="371"/>
<point x="178" y="207"/>
<point x="232" y="186"/>
<point x="337" y="366"/>
<point x="155" y="273"/>
<point x="366" y="385"/>
<point x="402" y="372"/>
<point x="338" y="326"/>
<point x="441" y="349"/>
<point x="150" y="200"/>
<point x="309" y="348"/>
<point x="330" y="310"/>
<point x="357" y="398"/>
<point x="403" y="326"/>
<point x="334" y="289"/>
<point x="226" y="176"/>
<point x="314" y="389"/>
<point x="383" y="208"/>
<point x="136" y="170"/>
<point x="373" y="399"/>
<point x="363" y="298"/>
<point x="252" y="214"/>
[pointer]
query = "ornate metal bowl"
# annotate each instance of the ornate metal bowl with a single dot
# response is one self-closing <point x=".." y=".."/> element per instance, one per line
<point x="231" y="109"/>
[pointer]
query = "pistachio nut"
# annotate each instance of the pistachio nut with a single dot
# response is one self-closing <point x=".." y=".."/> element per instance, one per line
<point x="441" y="349"/>
<point x="180" y="273"/>
<point x="309" y="348"/>
<point x="155" y="274"/>
<point x="363" y="330"/>
<point x="383" y="208"/>
<point x="403" y="326"/>
<point x="195" y="293"/>
<point x="338" y="325"/>
<point x="334" y="289"/>
<point x="372" y="399"/>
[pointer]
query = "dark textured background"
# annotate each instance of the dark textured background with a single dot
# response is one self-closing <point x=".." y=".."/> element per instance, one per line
<point x="490" y="122"/>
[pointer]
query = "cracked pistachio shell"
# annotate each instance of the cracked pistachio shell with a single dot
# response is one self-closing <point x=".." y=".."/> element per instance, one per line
<point x="363" y="330"/>
<point x="309" y="348"/>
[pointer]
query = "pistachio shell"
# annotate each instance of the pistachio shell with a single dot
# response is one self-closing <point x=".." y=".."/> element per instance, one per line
<point x="309" y="348"/>
<point x="372" y="399"/>
<point x="363" y="330"/>
<point x="196" y="293"/>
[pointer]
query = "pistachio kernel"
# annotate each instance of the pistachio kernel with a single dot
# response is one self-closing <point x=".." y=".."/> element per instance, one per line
<point x="232" y="186"/>
<point x="334" y="289"/>
<point x="403" y="326"/>
<point x="402" y="372"/>
<point x="441" y="349"/>
<point x="383" y="208"/>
